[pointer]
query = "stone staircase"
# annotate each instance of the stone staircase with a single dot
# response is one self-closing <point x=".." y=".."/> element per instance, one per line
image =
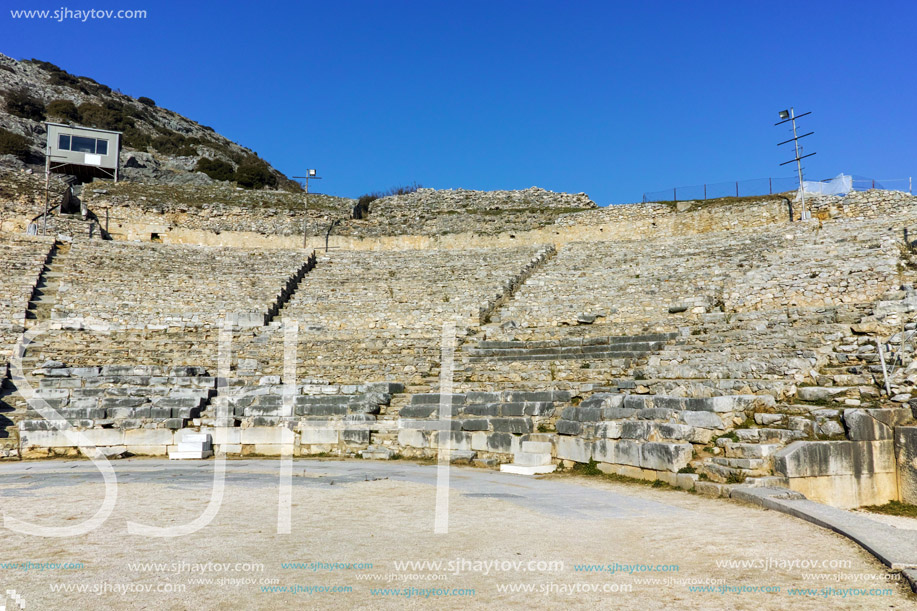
<point x="593" y="348"/>
<point x="534" y="458"/>
<point x="44" y="297"/>
<point x="192" y="446"/>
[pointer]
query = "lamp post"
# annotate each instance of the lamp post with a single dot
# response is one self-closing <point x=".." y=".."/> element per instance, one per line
<point x="313" y="174"/>
<point x="789" y="115"/>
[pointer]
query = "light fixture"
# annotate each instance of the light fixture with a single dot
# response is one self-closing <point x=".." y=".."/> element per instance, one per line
<point x="311" y="172"/>
<point x="784" y="114"/>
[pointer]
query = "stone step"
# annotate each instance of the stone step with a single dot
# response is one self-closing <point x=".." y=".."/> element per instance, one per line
<point x="768" y="435"/>
<point x="531" y="459"/>
<point x="593" y="341"/>
<point x="527" y="470"/>
<point x="749" y="450"/>
<point x="607" y="355"/>
<point x="537" y="447"/>
<point x="177" y="454"/>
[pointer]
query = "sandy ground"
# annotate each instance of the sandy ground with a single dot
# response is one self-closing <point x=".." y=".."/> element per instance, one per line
<point x="896" y="521"/>
<point x="374" y="515"/>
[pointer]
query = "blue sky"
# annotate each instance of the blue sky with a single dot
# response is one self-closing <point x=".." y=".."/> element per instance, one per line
<point x="610" y="98"/>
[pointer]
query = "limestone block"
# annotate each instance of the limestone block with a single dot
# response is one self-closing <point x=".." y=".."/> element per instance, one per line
<point x="416" y="439"/>
<point x="707" y="420"/>
<point x="267" y="435"/>
<point x="833" y="458"/>
<point x="148" y="437"/>
<point x="512" y="425"/>
<point x="568" y="427"/>
<point x="310" y="436"/>
<point x="226" y="435"/>
<point x="665" y="456"/>
<point x="906" y="451"/>
<point x="604" y="451"/>
<point x="861" y="426"/>
<point x="571" y="448"/>
<point x="627" y="452"/>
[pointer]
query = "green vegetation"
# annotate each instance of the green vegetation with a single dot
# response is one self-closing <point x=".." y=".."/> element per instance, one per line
<point x="173" y="143"/>
<point x="146" y="101"/>
<point x="13" y="144"/>
<point x="730" y="435"/>
<point x="215" y="169"/>
<point x="724" y="201"/>
<point x="253" y="173"/>
<point x="61" y="78"/>
<point x="136" y="139"/>
<point x="63" y="109"/>
<point x="21" y="103"/>
<point x="111" y="114"/>
<point x="591" y="468"/>
<point x="736" y="478"/>
<point x="893" y="508"/>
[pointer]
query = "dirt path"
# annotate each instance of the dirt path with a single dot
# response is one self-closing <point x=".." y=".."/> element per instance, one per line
<point x="506" y="534"/>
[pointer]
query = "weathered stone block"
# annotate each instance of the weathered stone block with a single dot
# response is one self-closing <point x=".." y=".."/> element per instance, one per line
<point x="419" y="411"/>
<point x="707" y="420"/>
<point x="568" y="427"/>
<point x="617" y="413"/>
<point x="476" y="424"/>
<point x="512" y="425"/>
<point x="481" y="409"/>
<point x="512" y="409"/>
<point x="861" y="426"/>
<point x="832" y="458"/>
<point x="539" y="408"/>
<point x="572" y="448"/>
<point x="906" y="453"/>
<point x="627" y="452"/>
<point x="665" y="456"/>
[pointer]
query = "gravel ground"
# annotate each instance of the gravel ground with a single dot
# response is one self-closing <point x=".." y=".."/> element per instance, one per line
<point x="505" y="534"/>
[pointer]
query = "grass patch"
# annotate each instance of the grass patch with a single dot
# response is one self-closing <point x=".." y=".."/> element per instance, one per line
<point x="724" y="201"/>
<point x="893" y="508"/>
<point x="736" y="478"/>
<point x="730" y="435"/>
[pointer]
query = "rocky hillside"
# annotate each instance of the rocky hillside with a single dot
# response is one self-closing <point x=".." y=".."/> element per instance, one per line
<point x="160" y="146"/>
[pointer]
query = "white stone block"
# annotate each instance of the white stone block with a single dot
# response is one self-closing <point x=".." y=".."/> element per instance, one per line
<point x="313" y="436"/>
<point x="522" y="470"/>
<point x="572" y="448"/>
<point x="262" y="435"/>
<point x="537" y="447"/>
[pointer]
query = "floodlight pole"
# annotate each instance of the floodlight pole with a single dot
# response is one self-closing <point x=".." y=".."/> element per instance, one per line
<point x="802" y="189"/>
<point x="309" y="174"/>
<point x="791" y="116"/>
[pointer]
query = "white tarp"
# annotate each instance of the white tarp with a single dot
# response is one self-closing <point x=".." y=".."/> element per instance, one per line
<point x="839" y="185"/>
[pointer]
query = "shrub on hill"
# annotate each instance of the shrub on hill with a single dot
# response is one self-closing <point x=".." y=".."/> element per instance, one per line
<point x="21" y="103"/>
<point x="253" y="173"/>
<point x="216" y="169"/>
<point x="136" y="139"/>
<point x="146" y="101"/>
<point x="63" y="79"/>
<point x="13" y="144"/>
<point x="110" y="115"/>
<point x="63" y="109"/>
<point x="174" y="143"/>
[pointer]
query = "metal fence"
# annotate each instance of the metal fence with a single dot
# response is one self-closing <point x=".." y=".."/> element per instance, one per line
<point x="762" y="186"/>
